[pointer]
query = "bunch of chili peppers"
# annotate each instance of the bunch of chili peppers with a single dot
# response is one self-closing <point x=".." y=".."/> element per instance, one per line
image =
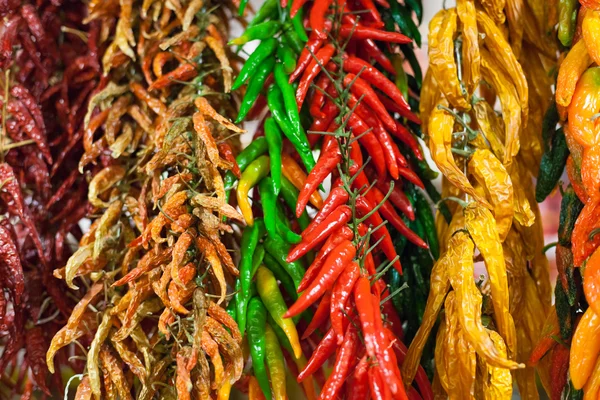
<point x="342" y="293"/>
<point x="480" y="52"/>
<point x="154" y="266"/>
<point x="50" y="64"/>
<point x="570" y="140"/>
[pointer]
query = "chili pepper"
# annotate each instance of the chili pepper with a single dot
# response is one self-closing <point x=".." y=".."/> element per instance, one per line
<point x="298" y="24"/>
<point x="341" y="368"/>
<point x="368" y="140"/>
<point x="365" y="32"/>
<point x="566" y="316"/>
<point x="344" y="233"/>
<point x="248" y="244"/>
<point x="318" y="99"/>
<point x="272" y="299"/>
<point x="379" y="56"/>
<point x="260" y="31"/>
<point x="257" y="319"/>
<point x="575" y="77"/>
<point x="312" y="70"/>
<point x="255" y="149"/>
<point x="585" y="347"/>
<point x="322" y="353"/>
<point x="226" y="152"/>
<point x="334" y="265"/>
<point x="269" y="205"/>
<point x="275" y="363"/>
<point x="341" y="292"/>
<point x="317" y="18"/>
<point x="283" y="228"/>
<point x="281" y="275"/>
<point x="292" y="38"/>
<point x="397" y="197"/>
<point x="320" y="316"/>
<point x="290" y="196"/>
<point x="567" y="18"/>
<point x="583" y="240"/>
<point x="566" y="269"/>
<point x="264" y="50"/>
<point x="287" y="56"/>
<point x="547" y="339"/>
<point x="360" y="384"/>
<point x="338" y="218"/>
<point x="362" y="89"/>
<point x="232" y="308"/>
<point x="294" y="133"/>
<point x="275" y="143"/>
<point x="551" y="167"/>
<point x="267" y="10"/>
<point x="328" y="161"/>
<point x="337" y="197"/>
<point x="252" y="175"/>
<point x="256" y="84"/>
<point x="296" y="6"/>
<point x="278" y="249"/>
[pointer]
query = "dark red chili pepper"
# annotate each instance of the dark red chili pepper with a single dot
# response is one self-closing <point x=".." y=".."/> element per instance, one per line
<point x="320" y="316"/>
<point x="364" y="207"/>
<point x="226" y="152"/>
<point x="330" y="111"/>
<point x="365" y="32"/>
<point x="558" y="371"/>
<point x="313" y="69"/>
<point x="337" y="197"/>
<point x="359" y="390"/>
<point x="35" y="353"/>
<point x="13" y="270"/>
<point x="334" y="264"/>
<point x="379" y="390"/>
<point x="344" y="233"/>
<point x="397" y="197"/>
<point x="20" y="112"/>
<point x="356" y="156"/>
<point x="341" y="368"/>
<point x="373" y="12"/>
<point x="368" y="140"/>
<point x="318" y="99"/>
<point x="324" y="350"/>
<point x="338" y="218"/>
<point x="312" y="46"/>
<point x="379" y="56"/>
<point x="406" y="137"/>
<point x="411" y="176"/>
<point x="317" y="17"/>
<point x="361" y="89"/>
<point x="340" y="294"/>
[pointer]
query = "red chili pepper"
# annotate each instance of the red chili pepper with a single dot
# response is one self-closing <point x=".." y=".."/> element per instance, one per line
<point x="411" y="176"/>
<point x="13" y="269"/>
<point x="406" y="137"/>
<point x="328" y="161"/>
<point x="398" y="198"/>
<point x="226" y="152"/>
<point x="413" y="394"/>
<point x="296" y="6"/>
<point x="365" y="32"/>
<point x="312" y="46"/>
<point x="27" y="122"/>
<point x="400" y="157"/>
<point x="183" y="73"/>
<point x="338" y="218"/>
<point x="361" y="89"/>
<point x="313" y="69"/>
<point x="342" y="234"/>
<point x="317" y="17"/>
<point x="558" y="371"/>
<point x="379" y="389"/>
<point x="337" y="197"/>
<point x="364" y="307"/>
<point x="318" y="99"/>
<point x="373" y="12"/>
<point x="368" y="140"/>
<point x="364" y="207"/>
<point x="341" y="368"/>
<point x="356" y="155"/>
<point x="332" y="268"/>
<point x="320" y="316"/>
<point x="359" y="390"/>
<point x="330" y="111"/>
<point x="392" y="318"/>
<point x="324" y="350"/>
<point x="340" y="294"/>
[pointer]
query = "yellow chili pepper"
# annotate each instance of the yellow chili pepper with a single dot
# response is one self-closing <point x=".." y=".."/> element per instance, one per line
<point x="497" y="382"/>
<point x="276" y="364"/>
<point x="523" y="213"/>
<point x="591" y="34"/>
<point x="224" y="391"/>
<point x="257" y="170"/>
<point x="254" y="391"/>
<point x="469" y="300"/>
<point x="294" y="173"/>
<point x="430" y="98"/>
<point x="440" y="358"/>
<point x="585" y="348"/>
<point x="488" y="123"/>
<point x="591" y="390"/>
<point x="470" y="44"/>
<point x="483" y="230"/>
<point x="571" y="69"/>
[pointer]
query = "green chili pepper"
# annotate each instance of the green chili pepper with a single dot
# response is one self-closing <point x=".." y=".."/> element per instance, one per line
<point x="411" y="57"/>
<point x="298" y="23"/>
<point x="276" y="364"/>
<point x="284" y="230"/>
<point x="292" y="38"/>
<point x="287" y="56"/>
<point x="416" y="6"/>
<point x="567" y="20"/>
<point x="281" y="275"/>
<point x="401" y="77"/>
<point x="564" y="311"/>
<point x="257" y="319"/>
<point x="290" y="196"/>
<point x="257" y="258"/>
<point x="435" y="197"/>
<point x="242" y="8"/>
<point x="255" y="85"/>
<point x="262" y="52"/>
<point x="275" y="143"/>
<point x="403" y="17"/>
<point x="425" y="216"/>
<point x="267" y="10"/>
<point x="248" y="244"/>
<point x="293" y="131"/>
<point x="552" y="165"/>
<point x="232" y="309"/>
<point x="273" y="300"/>
<point x="241" y="306"/>
<point x="256" y="171"/>
<point x="255" y="149"/>
<point x="279" y="250"/>
<point x="261" y="31"/>
<point x="269" y="206"/>
<point x="570" y="207"/>
<point x="549" y="122"/>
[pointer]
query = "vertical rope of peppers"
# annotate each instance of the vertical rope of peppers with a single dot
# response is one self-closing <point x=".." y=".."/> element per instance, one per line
<point x="360" y="119"/>
<point x="49" y="65"/>
<point x="154" y="267"/>
<point x="480" y="52"/>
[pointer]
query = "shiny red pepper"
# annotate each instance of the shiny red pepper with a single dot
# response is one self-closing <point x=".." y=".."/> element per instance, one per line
<point x="318" y="99"/>
<point x="375" y="53"/>
<point x="361" y="89"/>
<point x="359" y="390"/>
<point x="365" y="32"/>
<point x="317" y="18"/>
<point x="226" y="152"/>
<point x="320" y="316"/>
<point x="368" y="140"/>
<point x="337" y="197"/>
<point x="312" y="70"/>
<point x="325" y="349"/>
<point x="340" y="294"/>
<point x="312" y="46"/>
<point x="296" y="6"/>
<point x="341" y="367"/>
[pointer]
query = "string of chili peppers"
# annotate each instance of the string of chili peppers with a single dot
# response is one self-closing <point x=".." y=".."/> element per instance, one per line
<point x="49" y="65"/>
<point x="345" y="92"/>
<point x="480" y="52"/>
<point x="155" y="265"/>
<point x="569" y="141"/>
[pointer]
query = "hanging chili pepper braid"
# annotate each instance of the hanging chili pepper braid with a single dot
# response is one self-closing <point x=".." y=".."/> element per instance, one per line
<point x="349" y="96"/>
<point x="480" y="51"/>
<point x="155" y="266"/>
<point x="49" y="63"/>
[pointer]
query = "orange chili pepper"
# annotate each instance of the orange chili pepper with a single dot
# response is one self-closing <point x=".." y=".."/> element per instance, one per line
<point x="571" y="69"/>
<point x="591" y="281"/>
<point x="294" y="173"/>
<point x="585" y="348"/>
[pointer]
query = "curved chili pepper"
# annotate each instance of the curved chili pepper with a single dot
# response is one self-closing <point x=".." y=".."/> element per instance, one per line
<point x="255" y="149"/>
<point x="341" y="368"/>
<point x="317" y="18"/>
<point x="340" y="294"/>
<point x="332" y="268"/>
<point x="328" y="161"/>
<point x="269" y="206"/>
<point x="362" y="89"/>
<point x="275" y="363"/>
<point x="397" y="197"/>
<point x="281" y="275"/>
<point x="257" y="319"/>
<point x="257" y="170"/>
<point x="313" y="45"/>
<point x="226" y="152"/>
<point x="320" y="316"/>
<point x="290" y="197"/>
<point x="313" y="69"/>
<point x="344" y="233"/>
<point x="260" y="31"/>
<point x="255" y="86"/>
<point x="287" y="56"/>
<point x="292" y="171"/>
<point x="264" y="50"/>
<point x="339" y="217"/>
<point x="366" y="138"/>
<point x="322" y="353"/>
<point x="379" y="389"/>
<point x="337" y="196"/>
<point x="279" y="249"/>
<point x="379" y="56"/>
<point x="365" y="32"/>
<point x="318" y="98"/>
<point x="359" y="390"/>
<point x="407" y="138"/>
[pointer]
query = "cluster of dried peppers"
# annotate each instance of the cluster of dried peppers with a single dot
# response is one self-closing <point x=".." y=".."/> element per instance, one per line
<point x="50" y="64"/>
<point x="155" y="265"/>
<point x="326" y="95"/>
<point x="481" y="52"/>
